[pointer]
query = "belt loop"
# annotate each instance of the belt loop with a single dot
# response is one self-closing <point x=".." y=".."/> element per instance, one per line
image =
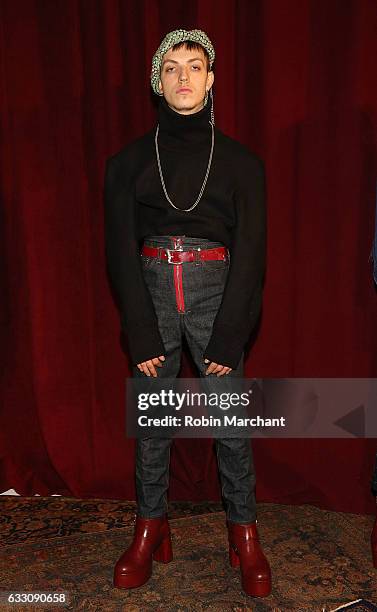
<point x="159" y="255"/>
<point x="197" y="256"/>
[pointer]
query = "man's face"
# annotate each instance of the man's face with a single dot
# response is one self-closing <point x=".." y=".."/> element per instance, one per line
<point x="184" y="79"/>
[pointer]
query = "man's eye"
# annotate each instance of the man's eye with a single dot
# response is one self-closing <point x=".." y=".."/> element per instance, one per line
<point x="172" y="68"/>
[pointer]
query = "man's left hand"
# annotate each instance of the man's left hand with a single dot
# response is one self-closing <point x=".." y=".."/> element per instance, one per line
<point x="217" y="368"/>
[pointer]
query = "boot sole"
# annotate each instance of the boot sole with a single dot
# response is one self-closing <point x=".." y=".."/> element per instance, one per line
<point x="259" y="589"/>
<point x="132" y="580"/>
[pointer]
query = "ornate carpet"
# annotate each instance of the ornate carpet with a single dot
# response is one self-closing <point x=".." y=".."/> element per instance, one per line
<point x="320" y="560"/>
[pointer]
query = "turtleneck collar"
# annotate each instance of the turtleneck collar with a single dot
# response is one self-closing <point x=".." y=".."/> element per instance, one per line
<point x="179" y="132"/>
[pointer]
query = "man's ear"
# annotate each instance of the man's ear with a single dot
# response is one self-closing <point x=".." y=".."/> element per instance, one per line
<point x="210" y="79"/>
<point x="160" y="86"/>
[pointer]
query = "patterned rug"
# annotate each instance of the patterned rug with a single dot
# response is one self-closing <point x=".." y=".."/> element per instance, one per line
<point x="320" y="560"/>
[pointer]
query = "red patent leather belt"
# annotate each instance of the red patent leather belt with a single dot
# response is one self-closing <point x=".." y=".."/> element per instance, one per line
<point x="174" y="256"/>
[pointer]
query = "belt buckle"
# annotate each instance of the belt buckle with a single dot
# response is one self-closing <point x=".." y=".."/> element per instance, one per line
<point x="169" y="252"/>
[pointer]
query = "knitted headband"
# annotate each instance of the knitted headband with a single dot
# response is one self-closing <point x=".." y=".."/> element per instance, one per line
<point x="171" y="39"/>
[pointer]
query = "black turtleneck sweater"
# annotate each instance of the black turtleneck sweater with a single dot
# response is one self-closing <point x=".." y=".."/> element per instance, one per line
<point x="231" y="211"/>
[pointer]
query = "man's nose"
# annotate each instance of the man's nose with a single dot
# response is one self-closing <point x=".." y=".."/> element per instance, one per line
<point x="183" y="76"/>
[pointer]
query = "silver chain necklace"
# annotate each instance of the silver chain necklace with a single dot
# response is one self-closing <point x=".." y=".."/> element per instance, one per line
<point x="205" y="178"/>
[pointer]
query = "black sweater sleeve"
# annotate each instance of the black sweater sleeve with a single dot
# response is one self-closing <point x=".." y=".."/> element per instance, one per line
<point x="242" y="295"/>
<point x="137" y="313"/>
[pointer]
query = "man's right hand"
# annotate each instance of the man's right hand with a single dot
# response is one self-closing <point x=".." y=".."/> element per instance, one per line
<point x="148" y="366"/>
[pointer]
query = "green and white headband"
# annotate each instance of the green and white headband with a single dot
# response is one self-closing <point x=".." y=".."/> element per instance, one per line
<point x="169" y="41"/>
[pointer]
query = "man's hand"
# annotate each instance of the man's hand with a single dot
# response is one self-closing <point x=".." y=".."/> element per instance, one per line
<point x="148" y="366"/>
<point x="217" y="368"/>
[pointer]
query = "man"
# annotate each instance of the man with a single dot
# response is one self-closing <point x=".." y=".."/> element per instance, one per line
<point x="194" y="200"/>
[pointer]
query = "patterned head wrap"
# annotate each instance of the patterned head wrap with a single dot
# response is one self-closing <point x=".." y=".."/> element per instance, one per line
<point x="171" y="39"/>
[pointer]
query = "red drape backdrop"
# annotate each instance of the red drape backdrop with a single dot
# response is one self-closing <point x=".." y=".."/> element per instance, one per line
<point x="295" y="81"/>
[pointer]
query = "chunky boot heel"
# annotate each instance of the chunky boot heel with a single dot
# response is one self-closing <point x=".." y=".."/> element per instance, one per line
<point x="151" y="541"/>
<point x="233" y="557"/>
<point x="255" y="569"/>
<point x="164" y="553"/>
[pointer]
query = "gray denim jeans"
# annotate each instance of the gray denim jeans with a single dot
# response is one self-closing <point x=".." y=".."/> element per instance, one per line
<point x="186" y="298"/>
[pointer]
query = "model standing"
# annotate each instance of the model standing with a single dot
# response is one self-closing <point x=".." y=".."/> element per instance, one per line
<point x="185" y="227"/>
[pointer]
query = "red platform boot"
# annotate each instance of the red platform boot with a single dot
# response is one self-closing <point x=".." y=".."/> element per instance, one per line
<point x="374" y="543"/>
<point x="151" y="540"/>
<point x="245" y="551"/>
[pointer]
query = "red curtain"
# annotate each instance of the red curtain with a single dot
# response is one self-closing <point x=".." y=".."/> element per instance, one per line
<point x="295" y="82"/>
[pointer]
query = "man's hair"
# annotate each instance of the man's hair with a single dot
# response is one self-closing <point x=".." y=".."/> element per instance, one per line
<point x="191" y="45"/>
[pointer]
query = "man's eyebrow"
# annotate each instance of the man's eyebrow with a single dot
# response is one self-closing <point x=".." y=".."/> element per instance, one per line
<point x="194" y="59"/>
